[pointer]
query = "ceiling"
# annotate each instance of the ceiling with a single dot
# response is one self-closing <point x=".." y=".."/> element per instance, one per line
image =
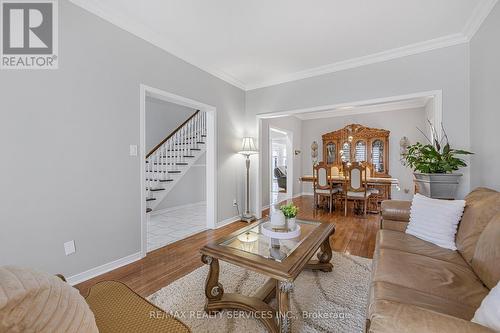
<point x="256" y="43"/>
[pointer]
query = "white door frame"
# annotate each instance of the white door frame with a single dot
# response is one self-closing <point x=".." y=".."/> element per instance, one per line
<point x="289" y="161"/>
<point x="211" y="146"/>
<point x="436" y="95"/>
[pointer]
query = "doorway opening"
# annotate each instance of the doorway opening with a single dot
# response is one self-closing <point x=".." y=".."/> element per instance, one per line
<point x="280" y="165"/>
<point x="433" y="112"/>
<point x="178" y="172"/>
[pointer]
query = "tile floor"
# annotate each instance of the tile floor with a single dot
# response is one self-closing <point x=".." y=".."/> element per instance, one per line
<point x="276" y="195"/>
<point x="175" y="225"/>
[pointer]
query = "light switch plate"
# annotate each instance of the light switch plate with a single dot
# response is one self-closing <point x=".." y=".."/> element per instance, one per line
<point x="69" y="247"/>
<point x="133" y="150"/>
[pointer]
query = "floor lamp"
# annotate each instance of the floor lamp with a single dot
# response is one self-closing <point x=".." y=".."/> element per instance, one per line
<point x="248" y="148"/>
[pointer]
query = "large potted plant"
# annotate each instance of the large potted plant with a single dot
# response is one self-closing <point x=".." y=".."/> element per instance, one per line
<point x="434" y="165"/>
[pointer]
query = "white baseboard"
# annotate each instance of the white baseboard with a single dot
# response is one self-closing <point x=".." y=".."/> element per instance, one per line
<point x="165" y="210"/>
<point x="93" y="272"/>
<point x="228" y="221"/>
<point x="307" y="193"/>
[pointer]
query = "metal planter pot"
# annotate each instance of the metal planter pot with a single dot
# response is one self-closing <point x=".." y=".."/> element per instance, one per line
<point x="437" y="185"/>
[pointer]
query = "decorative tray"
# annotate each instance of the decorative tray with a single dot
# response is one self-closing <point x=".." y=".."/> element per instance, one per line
<point x="268" y="230"/>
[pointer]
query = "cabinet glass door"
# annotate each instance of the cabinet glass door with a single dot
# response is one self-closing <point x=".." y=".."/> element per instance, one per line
<point x="378" y="156"/>
<point x="360" y="151"/>
<point x="331" y="153"/>
<point x="346" y="152"/>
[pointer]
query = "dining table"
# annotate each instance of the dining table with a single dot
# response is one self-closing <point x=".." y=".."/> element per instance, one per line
<point x="384" y="186"/>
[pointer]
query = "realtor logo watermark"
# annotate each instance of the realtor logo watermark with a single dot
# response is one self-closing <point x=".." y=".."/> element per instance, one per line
<point x="29" y="34"/>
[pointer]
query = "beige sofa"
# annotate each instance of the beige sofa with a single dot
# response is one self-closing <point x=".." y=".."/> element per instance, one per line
<point x="417" y="286"/>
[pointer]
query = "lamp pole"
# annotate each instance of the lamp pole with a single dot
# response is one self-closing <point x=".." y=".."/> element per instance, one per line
<point x="247" y="217"/>
<point x="248" y="148"/>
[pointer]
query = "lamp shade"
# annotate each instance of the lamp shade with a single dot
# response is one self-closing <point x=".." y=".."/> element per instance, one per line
<point x="248" y="147"/>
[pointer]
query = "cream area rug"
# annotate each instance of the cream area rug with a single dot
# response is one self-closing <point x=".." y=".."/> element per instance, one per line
<point x="321" y="302"/>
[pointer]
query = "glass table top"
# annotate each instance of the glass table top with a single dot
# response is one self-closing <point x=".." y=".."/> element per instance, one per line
<point x="254" y="241"/>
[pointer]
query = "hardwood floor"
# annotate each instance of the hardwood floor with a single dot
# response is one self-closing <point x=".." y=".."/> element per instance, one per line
<point x="354" y="235"/>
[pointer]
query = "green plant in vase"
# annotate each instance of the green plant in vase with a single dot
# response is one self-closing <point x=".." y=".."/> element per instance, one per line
<point x="290" y="211"/>
<point x="433" y="164"/>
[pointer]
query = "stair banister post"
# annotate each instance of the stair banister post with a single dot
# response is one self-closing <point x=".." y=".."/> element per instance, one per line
<point x="155" y="168"/>
<point x="198" y="121"/>
<point x="148" y="167"/>
<point x="163" y="153"/>
<point x="177" y="152"/>
<point x="185" y="145"/>
<point x="191" y="135"/>
<point x="184" y="142"/>
<point x="196" y="129"/>
<point x="169" y="157"/>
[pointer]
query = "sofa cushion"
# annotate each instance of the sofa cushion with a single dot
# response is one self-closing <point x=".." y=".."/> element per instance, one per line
<point x="481" y="205"/>
<point x="391" y="317"/>
<point x="389" y="239"/>
<point x="431" y="283"/>
<point x="400" y="294"/>
<point x="32" y="301"/>
<point x="486" y="260"/>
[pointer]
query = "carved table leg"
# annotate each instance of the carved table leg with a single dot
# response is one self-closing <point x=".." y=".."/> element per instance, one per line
<point x="283" y="290"/>
<point x="213" y="289"/>
<point x="324" y="256"/>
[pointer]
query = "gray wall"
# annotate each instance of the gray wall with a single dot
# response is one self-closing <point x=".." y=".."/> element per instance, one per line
<point x="291" y="124"/>
<point x="485" y="102"/>
<point x="445" y="69"/>
<point x="190" y="189"/>
<point x="162" y="118"/>
<point x="65" y="172"/>
<point x="400" y="123"/>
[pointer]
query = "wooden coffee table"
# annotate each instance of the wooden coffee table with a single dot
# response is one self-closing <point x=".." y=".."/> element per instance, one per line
<point x="250" y="249"/>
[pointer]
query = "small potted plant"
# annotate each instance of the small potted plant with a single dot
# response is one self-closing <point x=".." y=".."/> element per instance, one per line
<point x="433" y="166"/>
<point x="290" y="211"/>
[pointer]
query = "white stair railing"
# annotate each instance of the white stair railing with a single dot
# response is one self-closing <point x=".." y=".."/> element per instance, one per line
<point x="167" y="159"/>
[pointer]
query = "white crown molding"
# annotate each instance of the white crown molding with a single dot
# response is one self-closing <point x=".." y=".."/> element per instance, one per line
<point x="399" y="52"/>
<point x="415" y="103"/>
<point x="473" y="24"/>
<point x="437" y="94"/>
<point x="127" y="23"/>
<point x="479" y="14"/>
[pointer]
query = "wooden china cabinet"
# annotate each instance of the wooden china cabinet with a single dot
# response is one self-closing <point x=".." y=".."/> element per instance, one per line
<point x="358" y="143"/>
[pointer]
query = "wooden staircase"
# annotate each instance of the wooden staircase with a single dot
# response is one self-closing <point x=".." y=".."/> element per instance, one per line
<point x="170" y="160"/>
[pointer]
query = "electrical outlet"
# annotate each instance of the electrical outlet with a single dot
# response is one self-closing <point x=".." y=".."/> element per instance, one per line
<point x="235" y="203"/>
<point x="69" y="247"/>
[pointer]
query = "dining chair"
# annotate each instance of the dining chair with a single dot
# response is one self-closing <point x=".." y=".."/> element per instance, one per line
<point x="322" y="185"/>
<point x="356" y="187"/>
<point x="372" y="192"/>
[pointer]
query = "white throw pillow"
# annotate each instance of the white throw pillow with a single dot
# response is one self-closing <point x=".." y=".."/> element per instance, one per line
<point x="435" y="220"/>
<point x="488" y="313"/>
